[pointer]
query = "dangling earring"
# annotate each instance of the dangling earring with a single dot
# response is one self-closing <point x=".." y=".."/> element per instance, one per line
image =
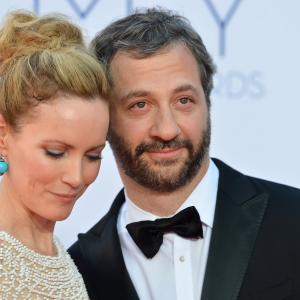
<point x="3" y="165"/>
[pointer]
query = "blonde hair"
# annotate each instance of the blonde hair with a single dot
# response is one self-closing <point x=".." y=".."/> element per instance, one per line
<point x="40" y="56"/>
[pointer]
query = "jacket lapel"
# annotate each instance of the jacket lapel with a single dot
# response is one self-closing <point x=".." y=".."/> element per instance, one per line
<point x="239" y="213"/>
<point x="102" y="252"/>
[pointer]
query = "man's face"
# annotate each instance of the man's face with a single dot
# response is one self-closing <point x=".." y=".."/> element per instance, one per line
<point x="160" y="125"/>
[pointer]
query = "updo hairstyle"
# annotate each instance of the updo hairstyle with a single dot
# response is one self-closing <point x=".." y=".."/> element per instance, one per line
<point x="41" y="56"/>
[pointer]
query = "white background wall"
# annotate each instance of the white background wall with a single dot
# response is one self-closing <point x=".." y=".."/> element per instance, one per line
<point x="256" y="105"/>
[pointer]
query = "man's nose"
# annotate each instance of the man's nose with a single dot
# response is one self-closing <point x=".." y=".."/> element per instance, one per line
<point x="165" y="126"/>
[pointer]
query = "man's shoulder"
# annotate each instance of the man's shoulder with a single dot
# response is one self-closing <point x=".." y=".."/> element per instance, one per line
<point x="276" y="188"/>
<point x="283" y="200"/>
<point x="278" y="193"/>
<point x="226" y="170"/>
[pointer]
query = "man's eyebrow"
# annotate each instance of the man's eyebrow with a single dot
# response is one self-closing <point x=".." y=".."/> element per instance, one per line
<point x="184" y="88"/>
<point x="144" y="93"/>
<point x="134" y="94"/>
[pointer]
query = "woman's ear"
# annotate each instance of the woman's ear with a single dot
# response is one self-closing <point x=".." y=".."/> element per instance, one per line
<point x="4" y="131"/>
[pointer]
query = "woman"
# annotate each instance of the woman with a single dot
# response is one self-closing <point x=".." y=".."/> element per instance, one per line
<point x="53" y="126"/>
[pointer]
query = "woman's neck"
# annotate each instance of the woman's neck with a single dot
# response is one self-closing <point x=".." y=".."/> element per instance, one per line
<point x="33" y="231"/>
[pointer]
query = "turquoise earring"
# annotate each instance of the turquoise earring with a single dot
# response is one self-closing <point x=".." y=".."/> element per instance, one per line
<point x="3" y="165"/>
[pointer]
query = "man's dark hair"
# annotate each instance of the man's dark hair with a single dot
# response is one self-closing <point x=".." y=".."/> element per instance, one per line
<point x="145" y="33"/>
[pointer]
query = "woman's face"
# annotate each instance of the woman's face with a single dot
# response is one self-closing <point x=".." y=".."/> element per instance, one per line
<point x="56" y="155"/>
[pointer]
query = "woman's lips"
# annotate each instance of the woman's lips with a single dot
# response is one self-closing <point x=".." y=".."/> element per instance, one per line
<point x="66" y="196"/>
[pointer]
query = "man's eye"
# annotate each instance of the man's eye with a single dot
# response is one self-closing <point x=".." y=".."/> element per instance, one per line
<point x="184" y="100"/>
<point x="140" y="104"/>
<point x="54" y="153"/>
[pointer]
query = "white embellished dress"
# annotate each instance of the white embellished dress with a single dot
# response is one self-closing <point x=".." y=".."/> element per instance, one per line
<point x="25" y="274"/>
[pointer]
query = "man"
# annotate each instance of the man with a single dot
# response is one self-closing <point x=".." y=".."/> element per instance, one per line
<point x="247" y="245"/>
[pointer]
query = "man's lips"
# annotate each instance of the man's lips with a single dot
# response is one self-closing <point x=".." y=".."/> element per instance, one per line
<point x="165" y="153"/>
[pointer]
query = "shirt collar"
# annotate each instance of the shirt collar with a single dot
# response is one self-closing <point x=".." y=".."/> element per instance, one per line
<point x="203" y="198"/>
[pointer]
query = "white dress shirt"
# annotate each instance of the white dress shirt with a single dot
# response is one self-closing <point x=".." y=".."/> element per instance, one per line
<point x="177" y="271"/>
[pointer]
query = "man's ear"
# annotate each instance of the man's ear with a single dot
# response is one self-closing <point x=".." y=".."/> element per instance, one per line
<point x="4" y="131"/>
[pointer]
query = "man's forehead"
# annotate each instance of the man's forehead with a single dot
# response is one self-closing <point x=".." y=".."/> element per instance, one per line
<point x="137" y="53"/>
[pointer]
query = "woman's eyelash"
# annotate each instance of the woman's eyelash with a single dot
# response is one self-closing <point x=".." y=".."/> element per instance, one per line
<point x="94" y="157"/>
<point x="54" y="153"/>
<point x="58" y="154"/>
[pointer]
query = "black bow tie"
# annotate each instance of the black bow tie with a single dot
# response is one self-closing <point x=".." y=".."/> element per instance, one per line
<point x="148" y="235"/>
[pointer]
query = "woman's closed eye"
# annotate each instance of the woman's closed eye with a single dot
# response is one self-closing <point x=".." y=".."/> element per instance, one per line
<point x="54" y="153"/>
<point x="94" y="156"/>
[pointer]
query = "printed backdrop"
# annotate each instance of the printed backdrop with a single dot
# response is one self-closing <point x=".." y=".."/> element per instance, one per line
<point x="255" y="112"/>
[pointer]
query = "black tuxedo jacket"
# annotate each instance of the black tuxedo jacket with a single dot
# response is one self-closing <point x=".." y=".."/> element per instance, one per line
<point x="254" y="251"/>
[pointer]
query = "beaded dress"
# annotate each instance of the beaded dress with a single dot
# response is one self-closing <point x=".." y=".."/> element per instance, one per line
<point x="25" y="274"/>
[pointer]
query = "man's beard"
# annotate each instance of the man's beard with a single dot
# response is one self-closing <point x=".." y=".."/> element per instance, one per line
<point x="159" y="175"/>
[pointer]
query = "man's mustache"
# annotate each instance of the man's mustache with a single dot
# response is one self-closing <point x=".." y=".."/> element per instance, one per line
<point x="160" y="145"/>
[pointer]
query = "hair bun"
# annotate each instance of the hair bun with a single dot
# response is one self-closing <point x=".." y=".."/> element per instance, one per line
<point x="23" y="34"/>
